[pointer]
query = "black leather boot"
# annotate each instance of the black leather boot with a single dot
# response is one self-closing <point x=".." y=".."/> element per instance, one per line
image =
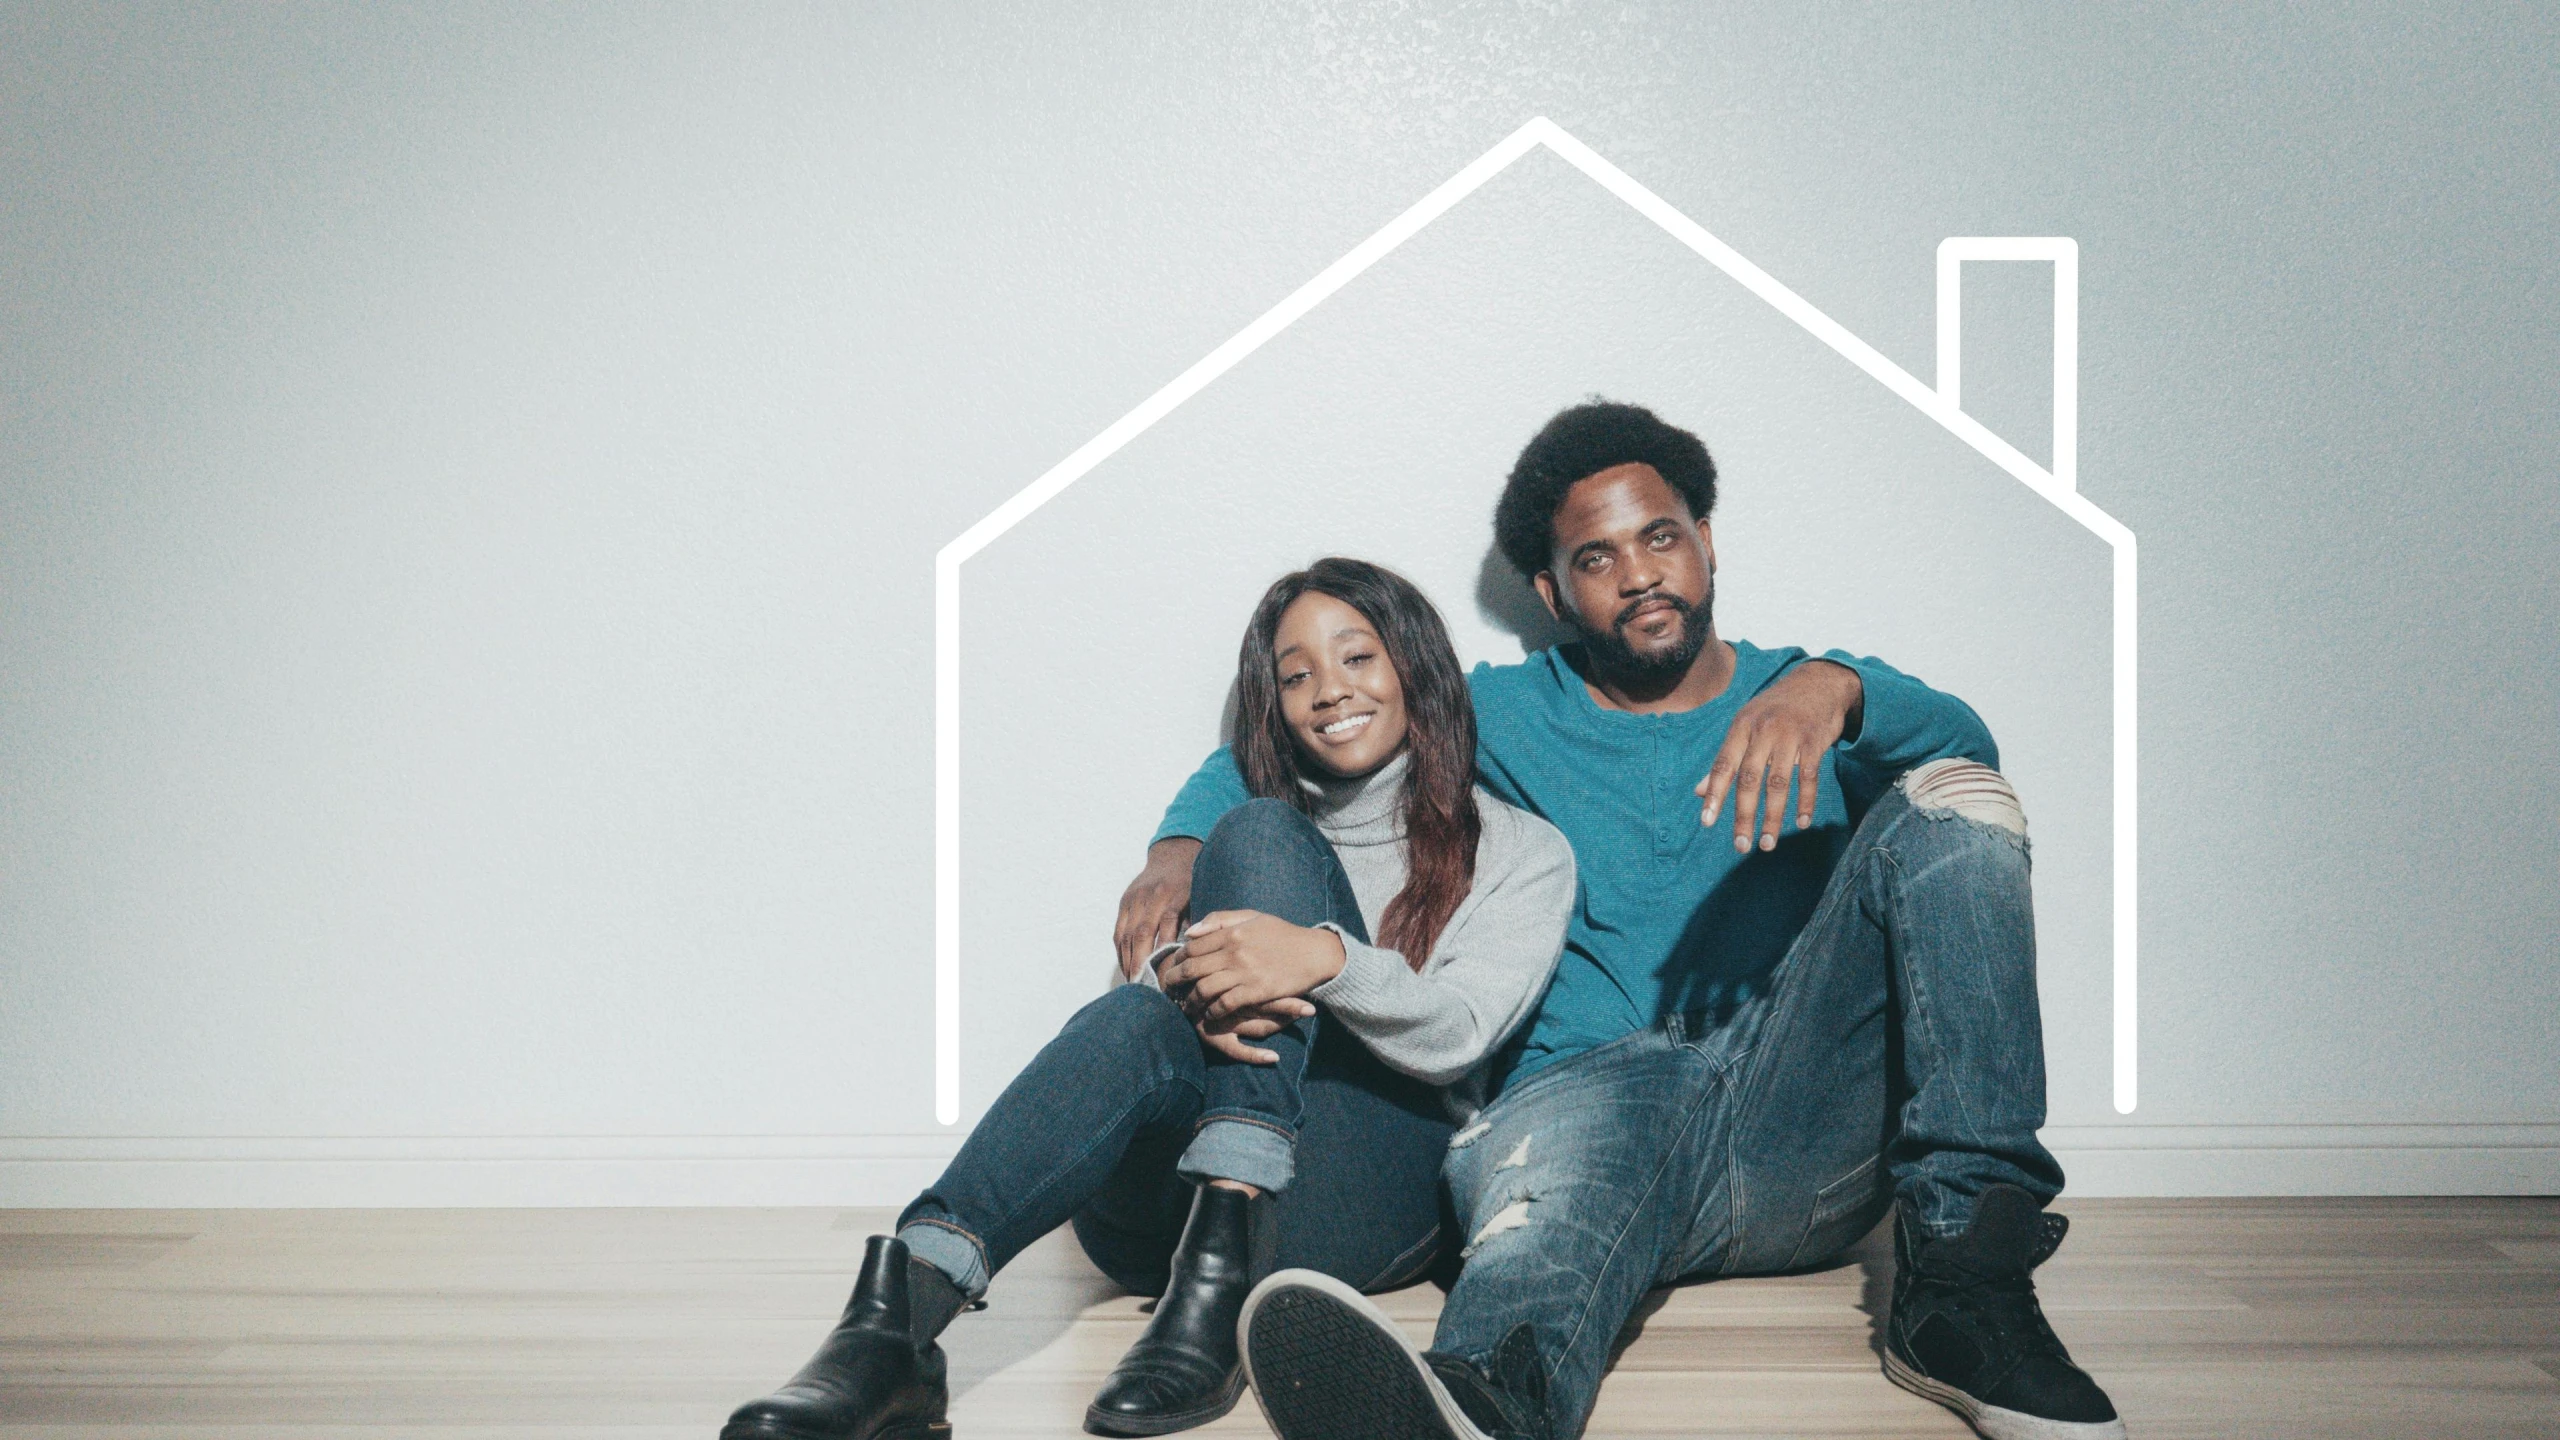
<point x="878" y="1376"/>
<point x="1184" y="1370"/>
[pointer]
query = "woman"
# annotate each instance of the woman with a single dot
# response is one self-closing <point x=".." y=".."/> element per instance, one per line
<point x="1269" y="1099"/>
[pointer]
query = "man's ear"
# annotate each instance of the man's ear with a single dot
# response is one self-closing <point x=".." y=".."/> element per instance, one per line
<point x="1707" y="537"/>
<point x="1544" y="582"/>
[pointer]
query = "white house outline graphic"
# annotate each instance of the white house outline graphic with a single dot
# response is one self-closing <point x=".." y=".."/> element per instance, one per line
<point x="1942" y="404"/>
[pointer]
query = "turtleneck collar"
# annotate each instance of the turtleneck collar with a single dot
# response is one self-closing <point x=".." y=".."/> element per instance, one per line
<point x="1364" y="809"/>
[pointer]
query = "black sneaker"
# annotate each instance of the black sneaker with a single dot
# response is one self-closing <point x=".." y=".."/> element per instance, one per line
<point x="1325" y="1364"/>
<point x="1507" y="1399"/>
<point x="1966" y="1330"/>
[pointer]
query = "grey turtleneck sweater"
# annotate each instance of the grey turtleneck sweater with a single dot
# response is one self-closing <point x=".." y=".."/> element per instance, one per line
<point x="1486" y="972"/>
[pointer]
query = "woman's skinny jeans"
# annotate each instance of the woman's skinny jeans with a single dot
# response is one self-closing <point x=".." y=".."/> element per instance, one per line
<point x="1095" y="1130"/>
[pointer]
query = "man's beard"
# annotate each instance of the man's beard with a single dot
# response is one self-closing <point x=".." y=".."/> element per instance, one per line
<point x="1614" y="656"/>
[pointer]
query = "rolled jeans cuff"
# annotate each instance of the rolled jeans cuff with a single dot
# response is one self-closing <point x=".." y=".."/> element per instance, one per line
<point x="1254" y="1153"/>
<point x="952" y="1253"/>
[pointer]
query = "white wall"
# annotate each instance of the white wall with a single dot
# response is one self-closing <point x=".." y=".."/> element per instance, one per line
<point x="469" y="483"/>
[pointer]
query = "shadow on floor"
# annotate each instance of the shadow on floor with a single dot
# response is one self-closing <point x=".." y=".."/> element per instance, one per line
<point x="1037" y="1300"/>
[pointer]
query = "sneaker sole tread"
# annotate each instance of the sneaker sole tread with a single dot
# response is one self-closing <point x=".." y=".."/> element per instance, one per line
<point x="1325" y="1365"/>
<point x="1992" y="1422"/>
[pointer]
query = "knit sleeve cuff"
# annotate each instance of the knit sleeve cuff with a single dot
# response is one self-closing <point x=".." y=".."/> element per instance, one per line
<point x="1369" y="975"/>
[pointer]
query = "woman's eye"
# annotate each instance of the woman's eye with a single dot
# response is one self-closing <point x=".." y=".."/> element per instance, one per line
<point x="1292" y="678"/>
<point x="1361" y="659"/>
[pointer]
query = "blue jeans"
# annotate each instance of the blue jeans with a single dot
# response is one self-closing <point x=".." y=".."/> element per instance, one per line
<point x="1263" y="855"/>
<point x="1897" y="1050"/>
<point x="1106" y="1127"/>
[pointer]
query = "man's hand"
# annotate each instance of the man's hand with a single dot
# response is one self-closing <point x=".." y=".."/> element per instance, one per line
<point x="1259" y="1022"/>
<point x="1151" y="908"/>
<point x="1781" y="735"/>
<point x="1233" y="960"/>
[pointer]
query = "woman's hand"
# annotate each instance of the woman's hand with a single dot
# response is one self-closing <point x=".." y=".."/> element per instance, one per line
<point x="1151" y="908"/>
<point x="1236" y="959"/>
<point x="1257" y="1022"/>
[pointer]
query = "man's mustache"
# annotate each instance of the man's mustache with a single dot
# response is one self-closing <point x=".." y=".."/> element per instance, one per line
<point x="1682" y="607"/>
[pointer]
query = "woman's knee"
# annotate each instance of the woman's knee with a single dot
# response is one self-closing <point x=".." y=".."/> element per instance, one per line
<point x="1264" y="855"/>
<point x="1260" y="830"/>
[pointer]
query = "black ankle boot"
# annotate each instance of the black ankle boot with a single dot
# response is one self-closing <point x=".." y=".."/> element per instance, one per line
<point x="1184" y="1370"/>
<point x="878" y="1376"/>
<point x="1966" y="1330"/>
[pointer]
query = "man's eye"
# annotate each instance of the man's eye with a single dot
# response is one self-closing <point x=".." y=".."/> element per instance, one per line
<point x="1662" y="540"/>
<point x="1594" y="562"/>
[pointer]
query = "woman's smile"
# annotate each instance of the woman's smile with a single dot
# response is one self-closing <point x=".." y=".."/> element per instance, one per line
<point x="1339" y="692"/>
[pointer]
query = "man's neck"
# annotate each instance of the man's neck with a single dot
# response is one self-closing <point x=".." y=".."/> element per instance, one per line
<point x="1704" y="680"/>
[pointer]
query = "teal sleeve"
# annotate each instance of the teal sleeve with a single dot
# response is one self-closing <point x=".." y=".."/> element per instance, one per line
<point x="1500" y="716"/>
<point x="1904" y="723"/>
<point x="1214" y="789"/>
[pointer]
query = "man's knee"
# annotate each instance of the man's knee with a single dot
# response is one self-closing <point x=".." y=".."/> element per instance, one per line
<point x="1967" y="790"/>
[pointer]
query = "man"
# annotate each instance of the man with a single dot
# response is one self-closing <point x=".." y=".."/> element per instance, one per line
<point x="1755" y="1040"/>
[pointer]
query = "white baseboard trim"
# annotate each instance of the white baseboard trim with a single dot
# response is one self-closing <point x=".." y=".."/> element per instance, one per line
<point x="865" y="1170"/>
<point x="446" y="1172"/>
<point x="2169" y="1160"/>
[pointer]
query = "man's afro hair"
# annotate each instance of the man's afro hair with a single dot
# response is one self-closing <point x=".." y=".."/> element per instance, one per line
<point x="1578" y="444"/>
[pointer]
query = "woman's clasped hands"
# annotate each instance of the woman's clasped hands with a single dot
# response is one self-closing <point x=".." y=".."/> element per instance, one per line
<point x="1242" y="975"/>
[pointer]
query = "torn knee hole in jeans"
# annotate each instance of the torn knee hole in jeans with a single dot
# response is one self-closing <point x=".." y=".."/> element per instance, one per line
<point x="1966" y="789"/>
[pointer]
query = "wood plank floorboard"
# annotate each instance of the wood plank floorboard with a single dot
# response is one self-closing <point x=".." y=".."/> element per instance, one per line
<point x="2387" y="1319"/>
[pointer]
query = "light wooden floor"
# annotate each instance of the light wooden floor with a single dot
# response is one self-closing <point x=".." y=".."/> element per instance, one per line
<point x="2382" y="1318"/>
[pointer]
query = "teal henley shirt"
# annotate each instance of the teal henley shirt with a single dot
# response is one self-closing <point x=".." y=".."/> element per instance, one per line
<point x="1671" y="918"/>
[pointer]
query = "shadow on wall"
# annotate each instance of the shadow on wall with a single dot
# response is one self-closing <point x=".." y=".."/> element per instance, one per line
<point x="1503" y="596"/>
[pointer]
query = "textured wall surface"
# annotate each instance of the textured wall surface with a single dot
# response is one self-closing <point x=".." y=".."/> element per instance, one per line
<point x="469" y="483"/>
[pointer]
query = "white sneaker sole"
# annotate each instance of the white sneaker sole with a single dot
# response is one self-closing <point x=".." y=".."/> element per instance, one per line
<point x="1992" y="1422"/>
<point x="1325" y="1364"/>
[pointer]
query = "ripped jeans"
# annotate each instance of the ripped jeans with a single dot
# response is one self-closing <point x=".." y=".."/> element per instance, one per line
<point x="1897" y="1051"/>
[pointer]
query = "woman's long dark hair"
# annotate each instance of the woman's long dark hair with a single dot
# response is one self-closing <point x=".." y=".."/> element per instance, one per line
<point x="1440" y="819"/>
